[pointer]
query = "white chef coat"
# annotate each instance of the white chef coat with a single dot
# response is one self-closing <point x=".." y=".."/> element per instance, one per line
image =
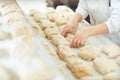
<point x="100" y="12"/>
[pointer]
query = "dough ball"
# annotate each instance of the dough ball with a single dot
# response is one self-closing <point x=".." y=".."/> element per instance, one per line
<point x="22" y="46"/>
<point x="9" y="9"/>
<point x="112" y="50"/>
<point x="118" y="60"/>
<point x="104" y="65"/>
<point x="4" y="73"/>
<point x="4" y="35"/>
<point x="88" y="53"/>
<point x="70" y="37"/>
<point x="59" y="40"/>
<point x="65" y="52"/>
<point x="79" y="68"/>
<point x="20" y="28"/>
<point x="47" y="24"/>
<point x="49" y="32"/>
<point x="35" y="69"/>
<point x="37" y="15"/>
<point x="91" y="78"/>
<point x="12" y="17"/>
<point x="112" y="76"/>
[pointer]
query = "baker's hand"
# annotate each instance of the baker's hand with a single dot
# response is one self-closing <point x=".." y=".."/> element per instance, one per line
<point x="79" y="39"/>
<point x="71" y="28"/>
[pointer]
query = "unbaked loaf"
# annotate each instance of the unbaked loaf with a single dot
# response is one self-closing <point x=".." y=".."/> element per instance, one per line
<point x="35" y="69"/>
<point x="118" y="61"/>
<point x="88" y="53"/>
<point x="112" y="50"/>
<point x="91" y="78"/>
<point x="4" y="73"/>
<point x="49" y="32"/>
<point x="65" y="52"/>
<point x="104" y="65"/>
<point x="20" y="28"/>
<point x="78" y="68"/>
<point x="112" y="76"/>
<point x="22" y="46"/>
<point x="59" y="40"/>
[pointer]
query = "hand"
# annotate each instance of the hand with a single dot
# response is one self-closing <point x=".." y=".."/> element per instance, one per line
<point x="80" y="39"/>
<point x="71" y="27"/>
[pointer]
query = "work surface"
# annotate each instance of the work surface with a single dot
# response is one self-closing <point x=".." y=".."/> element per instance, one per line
<point x="46" y="62"/>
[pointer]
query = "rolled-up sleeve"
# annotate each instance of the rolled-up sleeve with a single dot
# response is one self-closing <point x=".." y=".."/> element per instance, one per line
<point x="113" y="23"/>
<point x="82" y="9"/>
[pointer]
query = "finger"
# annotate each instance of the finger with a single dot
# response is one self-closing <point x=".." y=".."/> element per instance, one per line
<point x="82" y="43"/>
<point x="74" y="42"/>
<point x="78" y="43"/>
<point x="64" y="32"/>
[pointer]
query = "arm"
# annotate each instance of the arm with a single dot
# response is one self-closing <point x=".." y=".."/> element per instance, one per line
<point x="72" y="25"/>
<point x="82" y="36"/>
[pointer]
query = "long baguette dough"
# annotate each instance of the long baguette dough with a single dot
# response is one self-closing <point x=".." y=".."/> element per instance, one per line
<point x="112" y="50"/>
<point x="104" y="65"/>
<point x="88" y="53"/>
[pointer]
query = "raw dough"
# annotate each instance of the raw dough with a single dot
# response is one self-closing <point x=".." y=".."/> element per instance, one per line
<point x="49" y="32"/>
<point x="9" y="9"/>
<point x="78" y="67"/>
<point x="91" y="78"/>
<point x="112" y="50"/>
<point x="118" y="60"/>
<point x="59" y="40"/>
<point x="15" y="16"/>
<point x="37" y="15"/>
<point x="20" y="28"/>
<point x="4" y="35"/>
<point x="22" y="46"/>
<point x="70" y="37"/>
<point x="47" y="24"/>
<point x="35" y="69"/>
<point x="112" y="76"/>
<point x="65" y="52"/>
<point x="4" y="73"/>
<point x="88" y="53"/>
<point x="104" y="65"/>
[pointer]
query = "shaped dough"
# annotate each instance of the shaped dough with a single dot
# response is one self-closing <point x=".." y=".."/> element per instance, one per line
<point x="88" y="53"/>
<point x="9" y="9"/>
<point x="104" y="65"/>
<point x="78" y="67"/>
<point x="35" y="69"/>
<point x="12" y="17"/>
<point x="112" y="76"/>
<point x="47" y="24"/>
<point x="22" y="46"/>
<point x="59" y="40"/>
<point x="65" y="52"/>
<point x="49" y="32"/>
<point x="37" y="15"/>
<point x="112" y="50"/>
<point x="91" y="78"/>
<point x="4" y="35"/>
<point x="4" y="74"/>
<point x="118" y="60"/>
<point x="20" y="28"/>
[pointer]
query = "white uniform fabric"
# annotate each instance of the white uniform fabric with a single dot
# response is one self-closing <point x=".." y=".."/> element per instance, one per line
<point x="100" y="12"/>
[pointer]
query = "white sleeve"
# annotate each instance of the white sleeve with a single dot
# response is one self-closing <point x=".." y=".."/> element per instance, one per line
<point x="113" y="23"/>
<point x="82" y="9"/>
